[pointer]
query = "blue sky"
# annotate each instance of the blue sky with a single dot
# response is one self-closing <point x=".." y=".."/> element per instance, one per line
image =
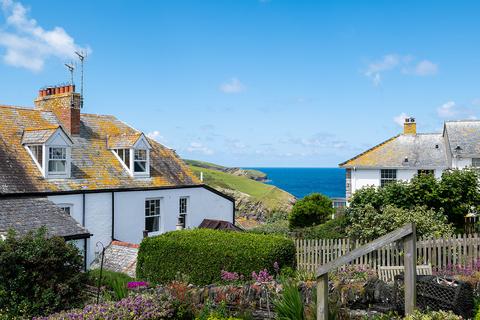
<point x="249" y="82"/>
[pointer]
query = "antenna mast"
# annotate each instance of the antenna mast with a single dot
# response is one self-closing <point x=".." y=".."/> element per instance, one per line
<point x="71" y="68"/>
<point x="81" y="55"/>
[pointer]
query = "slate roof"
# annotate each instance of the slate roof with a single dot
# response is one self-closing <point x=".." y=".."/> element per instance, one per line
<point x="29" y="213"/>
<point x="218" y="225"/>
<point x="426" y="151"/>
<point x="37" y="136"/>
<point x="122" y="141"/>
<point x="466" y="134"/>
<point x="94" y="166"/>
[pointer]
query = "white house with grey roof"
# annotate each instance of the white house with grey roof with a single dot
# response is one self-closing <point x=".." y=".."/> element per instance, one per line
<point x="405" y="155"/>
<point x="94" y="179"/>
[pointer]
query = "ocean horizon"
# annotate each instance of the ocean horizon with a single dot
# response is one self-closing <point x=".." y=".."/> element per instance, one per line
<point x="301" y="181"/>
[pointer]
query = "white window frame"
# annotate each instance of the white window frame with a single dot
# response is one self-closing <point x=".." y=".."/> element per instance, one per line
<point x="30" y="152"/>
<point x="386" y="180"/>
<point x="47" y="167"/>
<point x="159" y="215"/>
<point x="126" y="166"/>
<point x="476" y="165"/>
<point x="182" y="214"/>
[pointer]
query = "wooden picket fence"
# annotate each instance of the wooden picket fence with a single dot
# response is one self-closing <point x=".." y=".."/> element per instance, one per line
<point x="441" y="253"/>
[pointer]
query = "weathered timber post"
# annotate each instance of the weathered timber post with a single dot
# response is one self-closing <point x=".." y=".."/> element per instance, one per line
<point x="410" y="247"/>
<point x="322" y="297"/>
<point x="407" y="234"/>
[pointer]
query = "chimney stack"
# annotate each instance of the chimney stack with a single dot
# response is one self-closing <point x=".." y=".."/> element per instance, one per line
<point x="410" y="126"/>
<point x="64" y="102"/>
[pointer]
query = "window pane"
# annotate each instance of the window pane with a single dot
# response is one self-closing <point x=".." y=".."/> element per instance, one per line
<point x="152" y="224"/>
<point x="387" y="176"/>
<point x="57" y="165"/>
<point x="140" y="154"/>
<point x="476" y="162"/>
<point x="140" y="166"/>
<point x="58" y="153"/>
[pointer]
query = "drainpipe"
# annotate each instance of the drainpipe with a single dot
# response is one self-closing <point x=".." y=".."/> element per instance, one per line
<point x="113" y="215"/>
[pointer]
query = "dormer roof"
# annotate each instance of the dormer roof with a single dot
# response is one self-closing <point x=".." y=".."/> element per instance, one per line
<point x="42" y="135"/>
<point x="127" y="141"/>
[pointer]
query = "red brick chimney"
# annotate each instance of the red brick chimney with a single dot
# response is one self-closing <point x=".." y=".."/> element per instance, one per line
<point x="64" y="102"/>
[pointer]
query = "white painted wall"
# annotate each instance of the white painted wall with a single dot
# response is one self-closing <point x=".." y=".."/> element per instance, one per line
<point x="202" y="204"/>
<point x="365" y="177"/>
<point x="461" y="163"/>
<point x="130" y="213"/>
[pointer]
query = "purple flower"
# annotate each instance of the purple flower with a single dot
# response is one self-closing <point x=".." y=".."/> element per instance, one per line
<point x="276" y="267"/>
<point x="137" y="284"/>
<point x="230" y="276"/>
<point x="262" y="276"/>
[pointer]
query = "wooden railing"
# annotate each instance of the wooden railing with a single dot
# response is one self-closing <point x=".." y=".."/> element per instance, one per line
<point x="441" y="253"/>
<point x="407" y="234"/>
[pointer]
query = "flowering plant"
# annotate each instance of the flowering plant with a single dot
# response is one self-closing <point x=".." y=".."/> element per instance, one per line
<point x="137" y="284"/>
<point x="230" y="276"/>
<point x="262" y="276"/>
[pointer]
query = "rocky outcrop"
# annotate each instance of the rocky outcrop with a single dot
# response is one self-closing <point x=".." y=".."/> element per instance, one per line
<point x="257" y="210"/>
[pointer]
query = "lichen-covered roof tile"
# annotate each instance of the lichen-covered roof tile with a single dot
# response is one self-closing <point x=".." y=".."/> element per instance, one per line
<point x="94" y="166"/>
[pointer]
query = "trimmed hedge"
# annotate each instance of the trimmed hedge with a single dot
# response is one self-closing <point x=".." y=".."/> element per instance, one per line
<point x="201" y="255"/>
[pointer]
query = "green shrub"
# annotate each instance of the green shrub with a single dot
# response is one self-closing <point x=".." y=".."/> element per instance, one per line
<point x="279" y="227"/>
<point x="202" y="254"/>
<point x="367" y="223"/>
<point x="39" y="275"/>
<point x="114" y="281"/>
<point x="433" y="315"/>
<point x="314" y="209"/>
<point x="332" y="229"/>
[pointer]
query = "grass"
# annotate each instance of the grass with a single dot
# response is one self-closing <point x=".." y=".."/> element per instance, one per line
<point x="269" y="195"/>
<point x="114" y="281"/>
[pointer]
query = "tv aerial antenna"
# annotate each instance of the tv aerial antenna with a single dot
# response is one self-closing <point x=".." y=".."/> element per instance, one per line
<point x="81" y="56"/>
<point x="71" y="69"/>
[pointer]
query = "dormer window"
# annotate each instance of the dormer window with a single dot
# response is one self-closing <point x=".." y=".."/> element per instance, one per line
<point x="140" y="161"/>
<point x="50" y="149"/>
<point x="133" y="152"/>
<point x="57" y="160"/>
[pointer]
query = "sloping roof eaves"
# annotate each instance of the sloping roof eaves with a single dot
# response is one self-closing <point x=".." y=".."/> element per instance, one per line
<point x="466" y="135"/>
<point x="347" y="164"/>
<point x="24" y="214"/>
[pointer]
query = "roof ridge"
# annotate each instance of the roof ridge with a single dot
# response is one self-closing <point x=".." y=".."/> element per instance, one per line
<point x="18" y="107"/>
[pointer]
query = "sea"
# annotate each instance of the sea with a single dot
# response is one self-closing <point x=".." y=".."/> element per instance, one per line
<point x="303" y="181"/>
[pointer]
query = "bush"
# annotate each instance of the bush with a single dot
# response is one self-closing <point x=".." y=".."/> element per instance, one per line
<point x="454" y="194"/>
<point x="114" y="281"/>
<point x="314" y="209"/>
<point x="289" y="306"/>
<point x="332" y="229"/>
<point x="39" y="275"/>
<point x="279" y="227"/>
<point x="201" y="255"/>
<point x="433" y="315"/>
<point x="367" y="223"/>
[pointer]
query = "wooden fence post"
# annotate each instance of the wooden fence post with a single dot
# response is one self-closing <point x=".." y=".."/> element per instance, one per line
<point x="322" y="297"/>
<point x="410" y="271"/>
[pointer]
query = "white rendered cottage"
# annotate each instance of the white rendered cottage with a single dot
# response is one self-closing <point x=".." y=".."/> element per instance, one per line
<point x="113" y="180"/>
<point x="410" y="153"/>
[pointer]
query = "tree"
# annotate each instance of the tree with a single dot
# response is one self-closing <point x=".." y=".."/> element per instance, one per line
<point x="368" y="223"/>
<point x="39" y="275"/>
<point x="314" y="209"/>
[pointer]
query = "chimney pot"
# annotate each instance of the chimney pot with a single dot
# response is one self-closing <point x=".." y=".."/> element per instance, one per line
<point x="62" y="89"/>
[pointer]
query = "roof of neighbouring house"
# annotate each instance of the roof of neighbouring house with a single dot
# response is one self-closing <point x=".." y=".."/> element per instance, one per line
<point x="94" y="166"/>
<point x="119" y="257"/>
<point x="218" y="225"/>
<point x="25" y="214"/>
<point x="464" y="134"/>
<point x="424" y="150"/>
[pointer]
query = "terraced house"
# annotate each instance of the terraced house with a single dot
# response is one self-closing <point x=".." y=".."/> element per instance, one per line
<point x="92" y="178"/>
<point x="410" y="153"/>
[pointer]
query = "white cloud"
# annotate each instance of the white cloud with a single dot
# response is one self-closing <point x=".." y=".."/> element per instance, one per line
<point x="199" y="148"/>
<point x="447" y="110"/>
<point x="155" y="135"/>
<point x="425" y="68"/>
<point x="232" y="86"/>
<point x="400" y="119"/>
<point x="28" y="45"/>
<point x="406" y="63"/>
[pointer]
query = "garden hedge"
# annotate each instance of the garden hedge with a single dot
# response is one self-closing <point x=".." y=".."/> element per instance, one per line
<point x="201" y="255"/>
